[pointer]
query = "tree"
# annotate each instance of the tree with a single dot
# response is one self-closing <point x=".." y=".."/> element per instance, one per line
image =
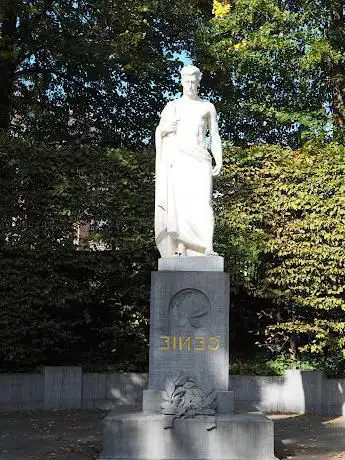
<point x="81" y="82"/>
<point x="276" y="69"/>
<point x="335" y="34"/>
<point x="95" y="70"/>
<point x="60" y="305"/>
<point x="288" y="207"/>
<point x="7" y="61"/>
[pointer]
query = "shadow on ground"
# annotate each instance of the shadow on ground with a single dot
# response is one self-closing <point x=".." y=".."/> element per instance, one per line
<point x="309" y="437"/>
<point x="51" y="435"/>
<point x="77" y="435"/>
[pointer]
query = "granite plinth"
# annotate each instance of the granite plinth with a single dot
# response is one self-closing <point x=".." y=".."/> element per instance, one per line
<point x="189" y="354"/>
<point x="191" y="264"/>
<point x="138" y="436"/>
<point x="189" y="328"/>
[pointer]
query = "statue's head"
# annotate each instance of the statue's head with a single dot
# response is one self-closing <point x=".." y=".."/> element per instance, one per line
<point x="190" y="80"/>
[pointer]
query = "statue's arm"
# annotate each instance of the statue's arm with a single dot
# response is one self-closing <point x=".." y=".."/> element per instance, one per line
<point x="216" y="143"/>
<point x="166" y="126"/>
<point x="158" y="141"/>
<point x="167" y="122"/>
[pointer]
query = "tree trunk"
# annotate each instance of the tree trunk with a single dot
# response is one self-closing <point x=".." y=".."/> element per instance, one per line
<point x="337" y="36"/>
<point x="7" y="66"/>
<point x="338" y="93"/>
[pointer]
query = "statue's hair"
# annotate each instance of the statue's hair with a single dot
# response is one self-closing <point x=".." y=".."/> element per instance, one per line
<point x="191" y="70"/>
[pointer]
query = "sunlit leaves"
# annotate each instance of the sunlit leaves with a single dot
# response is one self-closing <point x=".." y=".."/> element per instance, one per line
<point x="290" y="206"/>
<point x="280" y="57"/>
<point x="221" y="8"/>
<point x="95" y="71"/>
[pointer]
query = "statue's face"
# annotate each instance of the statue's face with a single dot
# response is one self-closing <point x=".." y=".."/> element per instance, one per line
<point x="190" y="85"/>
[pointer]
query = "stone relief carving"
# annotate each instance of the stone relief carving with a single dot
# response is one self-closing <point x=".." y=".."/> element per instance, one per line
<point x="190" y="307"/>
<point x="184" y="397"/>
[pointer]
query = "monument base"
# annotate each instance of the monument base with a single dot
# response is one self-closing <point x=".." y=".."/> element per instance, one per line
<point x="140" y="436"/>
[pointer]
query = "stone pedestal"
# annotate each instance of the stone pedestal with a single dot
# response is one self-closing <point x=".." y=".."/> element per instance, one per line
<point x="189" y="358"/>
<point x="139" y="436"/>
<point x="189" y="329"/>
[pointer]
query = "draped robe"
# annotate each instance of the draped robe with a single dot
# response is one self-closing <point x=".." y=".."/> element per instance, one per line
<point x="183" y="209"/>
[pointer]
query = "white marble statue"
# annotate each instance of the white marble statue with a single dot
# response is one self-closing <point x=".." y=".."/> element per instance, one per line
<point x="184" y="220"/>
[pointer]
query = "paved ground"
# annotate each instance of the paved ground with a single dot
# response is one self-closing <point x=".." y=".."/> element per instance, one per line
<point x="51" y="435"/>
<point x="77" y="435"/>
<point x="309" y="437"/>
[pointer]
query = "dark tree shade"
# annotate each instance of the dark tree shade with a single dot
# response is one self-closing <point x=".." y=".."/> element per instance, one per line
<point x="91" y="70"/>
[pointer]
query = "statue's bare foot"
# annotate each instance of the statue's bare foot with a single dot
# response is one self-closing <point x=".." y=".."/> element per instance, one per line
<point x="181" y="249"/>
<point x="211" y="252"/>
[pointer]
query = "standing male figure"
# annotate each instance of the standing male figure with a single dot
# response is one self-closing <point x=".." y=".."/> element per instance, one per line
<point x="184" y="221"/>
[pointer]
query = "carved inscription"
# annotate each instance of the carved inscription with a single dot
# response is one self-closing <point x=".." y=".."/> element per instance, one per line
<point x="189" y="343"/>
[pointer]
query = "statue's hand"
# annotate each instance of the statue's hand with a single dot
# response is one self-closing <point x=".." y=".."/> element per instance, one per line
<point x="216" y="170"/>
<point x="169" y="128"/>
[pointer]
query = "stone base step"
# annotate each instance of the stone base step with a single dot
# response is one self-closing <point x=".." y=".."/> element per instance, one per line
<point x="141" y="436"/>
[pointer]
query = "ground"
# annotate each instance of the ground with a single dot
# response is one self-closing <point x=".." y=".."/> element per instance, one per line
<point x="51" y="435"/>
<point x="309" y="437"/>
<point x="77" y="435"/>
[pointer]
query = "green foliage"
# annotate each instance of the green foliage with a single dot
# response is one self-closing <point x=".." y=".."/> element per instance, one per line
<point x="276" y="70"/>
<point x="332" y="364"/>
<point x="88" y="71"/>
<point x="46" y="190"/>
<point x="289" y="205"/>
<point x="71" y="308"/>
<point x="81" y="82"/>
<point x="59" y="305"/>
<point x="265" y="365"/>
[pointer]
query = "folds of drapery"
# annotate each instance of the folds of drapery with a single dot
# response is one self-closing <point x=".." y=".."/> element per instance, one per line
<point x="183" y="209"/>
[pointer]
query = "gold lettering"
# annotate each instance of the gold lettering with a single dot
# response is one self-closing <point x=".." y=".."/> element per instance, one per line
<point x="202" y="343"/>
<point x="185" y="343"/>
<point x="165" y="339"/>
<point x="197" y="343"/>
<point x="216" y="343"/>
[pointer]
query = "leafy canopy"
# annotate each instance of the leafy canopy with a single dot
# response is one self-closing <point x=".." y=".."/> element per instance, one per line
<point x="96" y="71"/>
<point x="288" y="206"/>
<point x="276" y="69"/>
